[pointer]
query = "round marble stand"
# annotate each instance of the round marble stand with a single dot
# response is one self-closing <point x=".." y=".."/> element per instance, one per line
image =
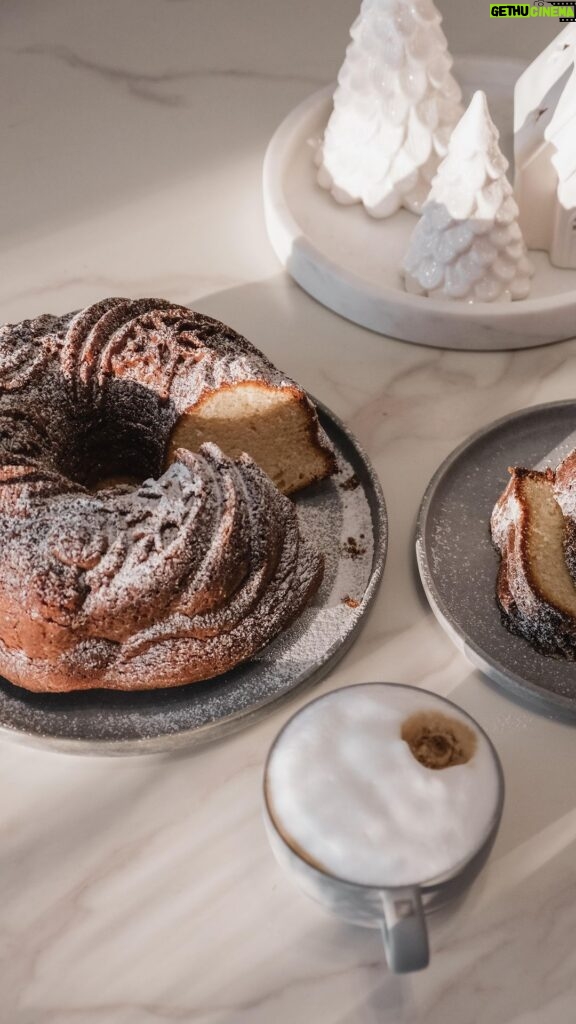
<point x="350" y="262"/>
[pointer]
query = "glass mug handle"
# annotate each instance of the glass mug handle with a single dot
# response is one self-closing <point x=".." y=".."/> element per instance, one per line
<point x="404" y="930"/>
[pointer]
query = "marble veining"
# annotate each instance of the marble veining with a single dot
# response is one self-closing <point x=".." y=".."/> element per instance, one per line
<point x="142" y="891"/>
<point x="145" y="84"/>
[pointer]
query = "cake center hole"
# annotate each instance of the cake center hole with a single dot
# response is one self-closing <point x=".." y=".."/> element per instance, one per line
<point x="103" y="462"/>
<point x="102" y="483"/>
<point x="437" y="740"/>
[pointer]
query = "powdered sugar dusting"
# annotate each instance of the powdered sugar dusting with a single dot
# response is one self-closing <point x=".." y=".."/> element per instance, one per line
<point x="328" y="519"/>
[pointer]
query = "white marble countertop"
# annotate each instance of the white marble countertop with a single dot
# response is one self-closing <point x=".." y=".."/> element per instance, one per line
<point x="142" y="890"/>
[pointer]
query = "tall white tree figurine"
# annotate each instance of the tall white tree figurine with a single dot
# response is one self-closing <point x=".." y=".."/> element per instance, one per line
<point x="468" y="244"/>
<point x="395" y="106"/>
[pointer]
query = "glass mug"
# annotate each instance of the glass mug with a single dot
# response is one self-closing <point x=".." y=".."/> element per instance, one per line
<point x="383" y="801"/>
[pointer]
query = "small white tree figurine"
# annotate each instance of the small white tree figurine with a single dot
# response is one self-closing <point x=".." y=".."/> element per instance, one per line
<point x="395" y="106"/>
<point x="468" y="244"/>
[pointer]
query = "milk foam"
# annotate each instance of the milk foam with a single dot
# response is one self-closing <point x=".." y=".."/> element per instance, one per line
<point x="345" y="790"/>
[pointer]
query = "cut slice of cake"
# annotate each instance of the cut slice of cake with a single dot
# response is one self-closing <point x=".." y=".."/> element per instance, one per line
<point x="276" y="425"/>
<point x="535" y="590"/>
<point x="565" y="494"/>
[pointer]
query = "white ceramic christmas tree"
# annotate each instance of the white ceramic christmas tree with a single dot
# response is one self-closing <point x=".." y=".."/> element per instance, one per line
<point x="394" y="108"/>
<point x="468" y="244"/>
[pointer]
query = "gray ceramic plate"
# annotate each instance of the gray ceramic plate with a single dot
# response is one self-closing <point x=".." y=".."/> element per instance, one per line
<point x="346" y="518"/>
<point x="458" y="564"/>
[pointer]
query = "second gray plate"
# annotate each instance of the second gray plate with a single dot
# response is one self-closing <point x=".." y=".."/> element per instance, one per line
<point x="458" y="563"/>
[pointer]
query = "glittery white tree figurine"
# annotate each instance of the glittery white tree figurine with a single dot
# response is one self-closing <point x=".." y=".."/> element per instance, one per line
<point x="394" y="108"/>
<point x="468" y="245"/>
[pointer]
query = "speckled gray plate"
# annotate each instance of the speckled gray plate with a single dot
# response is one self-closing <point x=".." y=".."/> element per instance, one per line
<point x="458" y="564"/>
<point x="346" y="518"/>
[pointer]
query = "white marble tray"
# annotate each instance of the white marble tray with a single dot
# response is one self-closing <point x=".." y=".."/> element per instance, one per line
<point x="349" y="261"/>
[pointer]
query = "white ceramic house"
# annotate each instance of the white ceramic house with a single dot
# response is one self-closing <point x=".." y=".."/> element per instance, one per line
<point x="545" y="150"/>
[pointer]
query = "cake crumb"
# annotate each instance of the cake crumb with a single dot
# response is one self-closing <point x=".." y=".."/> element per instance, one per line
<point x="351" y="483"/>
<point x="352" y="548"/>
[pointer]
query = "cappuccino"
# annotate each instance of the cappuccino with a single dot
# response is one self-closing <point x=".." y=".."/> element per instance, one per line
<point x="383" y="785"/>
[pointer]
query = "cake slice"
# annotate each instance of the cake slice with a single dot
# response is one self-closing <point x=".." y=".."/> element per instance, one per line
<point x="535" y="590"/>
<point x="565" y="494"/>
<point x="276" y="425"/>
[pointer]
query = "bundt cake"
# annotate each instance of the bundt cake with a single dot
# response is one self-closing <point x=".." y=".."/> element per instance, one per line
<point x="127" y="560"/>
<point x="535" y="590"/>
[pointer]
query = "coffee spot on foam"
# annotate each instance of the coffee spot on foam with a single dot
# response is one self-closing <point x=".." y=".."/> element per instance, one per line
<point x="438" y="741"/>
